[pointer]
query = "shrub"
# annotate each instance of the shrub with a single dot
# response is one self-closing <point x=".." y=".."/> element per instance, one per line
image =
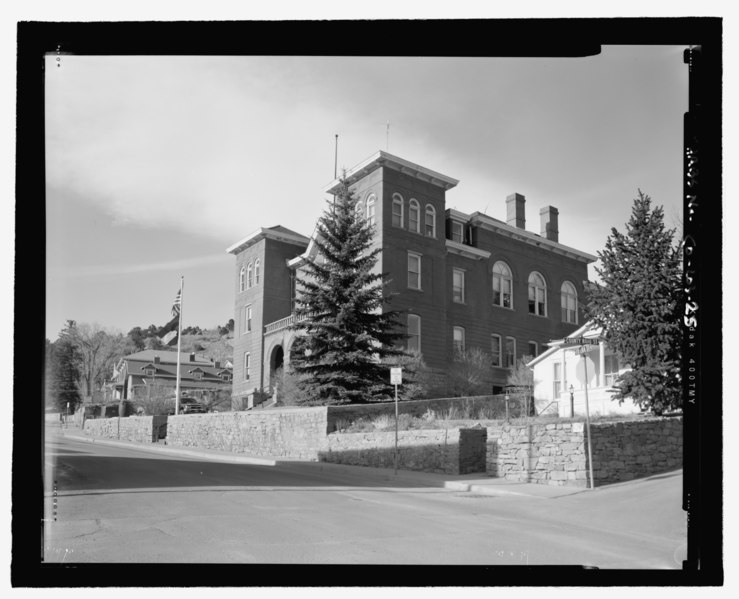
<point x="285" y="382"/>
<point x="469" y="373"/>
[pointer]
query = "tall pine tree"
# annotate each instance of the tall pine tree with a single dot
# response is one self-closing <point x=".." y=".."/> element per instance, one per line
<point x="638" y="305"/>
<point x="346" y="332"/>
<point x="65" y="372"/>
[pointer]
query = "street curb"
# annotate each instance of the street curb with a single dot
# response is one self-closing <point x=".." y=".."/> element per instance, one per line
<point x="235" y="458"/>
<point x="494" y="489"/>
<point x="481" y="489"/>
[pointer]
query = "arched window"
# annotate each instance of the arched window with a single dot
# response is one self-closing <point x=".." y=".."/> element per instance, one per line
<point x="430" y="222"/>
<point x="397" y="210"/>
<point x="537" y="295"/>
<point x="242" y="278"/>
<point x="249" y="276"/>
<point x="502" y="285"/>
<point x="569" y="303"/>
<point x="371" y="210"/>
<point x="414" y="216"/>
<point x="358" y="210"/>
<point x="256" y="272"/>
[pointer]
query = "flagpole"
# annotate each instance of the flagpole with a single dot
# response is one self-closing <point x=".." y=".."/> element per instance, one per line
<point x="179" y="345"/>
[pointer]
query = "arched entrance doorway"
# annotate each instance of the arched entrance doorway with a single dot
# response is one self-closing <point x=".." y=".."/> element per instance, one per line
<point x="276" y="362"/>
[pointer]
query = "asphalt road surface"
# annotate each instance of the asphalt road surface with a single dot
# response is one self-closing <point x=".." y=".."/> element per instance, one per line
<point x="109" y="504"/>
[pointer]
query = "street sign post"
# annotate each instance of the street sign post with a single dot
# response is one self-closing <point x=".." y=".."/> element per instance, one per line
<point x="396" y="378"/>
<point x="582" y="351"/>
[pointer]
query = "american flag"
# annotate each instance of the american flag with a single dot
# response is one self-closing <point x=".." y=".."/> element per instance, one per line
<point x="177" y="303"/>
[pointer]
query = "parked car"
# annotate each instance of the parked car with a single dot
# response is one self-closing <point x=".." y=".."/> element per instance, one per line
<point x="189" y="406"/>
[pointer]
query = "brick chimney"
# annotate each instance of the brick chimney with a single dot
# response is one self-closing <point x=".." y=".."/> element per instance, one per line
<point x="516" y="208"/>
<point x="192" y="357"/>
<point x="550" y="223"/>
<point x="217" y="364"/>
<point x="156" y="359"/>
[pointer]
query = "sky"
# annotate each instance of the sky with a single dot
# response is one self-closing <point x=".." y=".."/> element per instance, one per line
<point x="156" y="165"/>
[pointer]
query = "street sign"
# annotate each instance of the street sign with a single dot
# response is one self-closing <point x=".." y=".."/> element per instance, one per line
<point x="396" y="376"/>
<point x="581" y="341"/>
<point x="583" y="349"/>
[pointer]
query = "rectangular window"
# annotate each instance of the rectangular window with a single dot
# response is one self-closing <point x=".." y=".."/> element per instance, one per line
<point x="556" y="380"/>
<point x="458" y="333"/>
<point x="242" y="320"/>
<point x="458" y="285"/>
<point x="510" y="352"/>
<point x="247" y="366"/>
<point x="610" y="369"/>
<point x="457" y="232"/>
<point x="248" y="319"/>
<point x="496" y="348"/>
<point x="414" y="271"/>
<point x="533" y="349"/>
<point x="414" y="332"/>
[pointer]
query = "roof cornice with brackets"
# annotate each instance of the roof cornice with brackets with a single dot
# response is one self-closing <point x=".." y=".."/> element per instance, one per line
<point x="383" y="159"/>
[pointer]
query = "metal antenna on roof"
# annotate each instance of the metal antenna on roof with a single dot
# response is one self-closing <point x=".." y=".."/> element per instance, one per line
<point x="387" y="137"/>
<point x="336" y="154"/>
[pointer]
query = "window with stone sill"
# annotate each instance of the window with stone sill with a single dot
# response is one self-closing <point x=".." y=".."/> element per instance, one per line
<point x="458" y="286"/>
<point x="496" y="347"/>
<point x="502" y="285"/>
<point x="537" y="295"/>
<point x="414" y="271"/>
<point x="569" y="303"/>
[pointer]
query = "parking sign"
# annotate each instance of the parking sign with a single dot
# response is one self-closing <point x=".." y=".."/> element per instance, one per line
<point x="396" y="376"/>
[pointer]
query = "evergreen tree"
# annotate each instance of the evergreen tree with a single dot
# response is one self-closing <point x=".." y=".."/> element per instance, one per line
<point x="346" y="334"/>
<point x="65" y="372"/>
<point x="638" y="305"/>
<point x="49" y="385"/>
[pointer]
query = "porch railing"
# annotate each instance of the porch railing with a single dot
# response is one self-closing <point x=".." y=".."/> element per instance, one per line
<point x="278" y="325"/>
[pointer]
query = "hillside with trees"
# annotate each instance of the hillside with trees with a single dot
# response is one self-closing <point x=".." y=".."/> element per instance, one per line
<point x="81" y="360"/>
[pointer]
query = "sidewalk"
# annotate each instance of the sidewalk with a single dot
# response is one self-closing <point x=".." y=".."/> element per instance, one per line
<point x="477" y="484"/>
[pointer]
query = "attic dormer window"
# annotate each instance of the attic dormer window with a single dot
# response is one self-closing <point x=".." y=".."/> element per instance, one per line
<point x="457" y="232"/>
<point x="226" y="376"/>
<point x="151" y="371"/>
<point x="198" y="376"/>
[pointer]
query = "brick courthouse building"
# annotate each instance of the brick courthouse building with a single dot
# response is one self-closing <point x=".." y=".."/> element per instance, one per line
<point x="463" y="280"/>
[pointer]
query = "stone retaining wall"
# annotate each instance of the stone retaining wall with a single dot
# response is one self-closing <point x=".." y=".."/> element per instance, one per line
<point x="627" y="450"/>
<point x="140" y="429"/>
<point x="284" y="432"/>
<point x="556" y="454"/>
<point x="448" y="451"/>
<point x="539" y="453"/>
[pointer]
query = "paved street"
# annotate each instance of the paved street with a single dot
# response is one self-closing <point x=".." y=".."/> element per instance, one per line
<point x="121" y="504"/>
